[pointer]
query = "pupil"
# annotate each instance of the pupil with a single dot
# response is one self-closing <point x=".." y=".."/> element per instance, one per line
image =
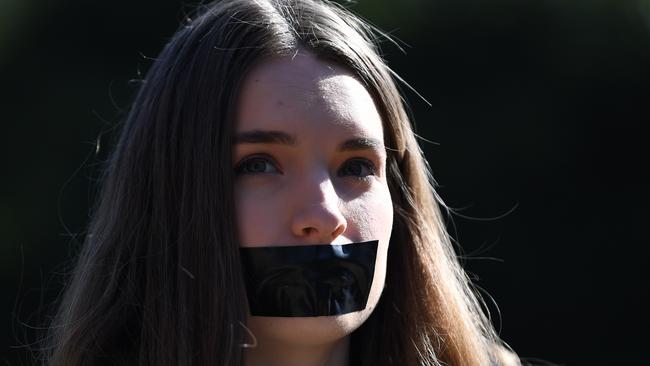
<point x="354" y="168"/>
<point x="257" y="166"/>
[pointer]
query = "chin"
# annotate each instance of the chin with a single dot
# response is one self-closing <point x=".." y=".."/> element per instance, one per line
<point x="306" y="331"/>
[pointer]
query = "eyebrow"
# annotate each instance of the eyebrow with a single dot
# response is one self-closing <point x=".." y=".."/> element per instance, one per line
<point x="265" y="137"/>
<point x="361" y="143"/>
<point x="283" y="138"/>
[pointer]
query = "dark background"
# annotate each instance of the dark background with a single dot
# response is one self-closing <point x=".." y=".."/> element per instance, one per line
<point x="537" y="115"/>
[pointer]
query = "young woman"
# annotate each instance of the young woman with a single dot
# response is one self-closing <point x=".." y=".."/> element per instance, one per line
<point x="268" y="129"/>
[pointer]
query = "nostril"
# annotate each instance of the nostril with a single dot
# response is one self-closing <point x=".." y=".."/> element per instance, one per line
<point x="318" y="222"/>
<point x="308" y="230"/>
<point x="339" y="230"/>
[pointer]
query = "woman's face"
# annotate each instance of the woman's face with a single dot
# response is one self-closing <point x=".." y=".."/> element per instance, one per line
<point x="310" y="168"/>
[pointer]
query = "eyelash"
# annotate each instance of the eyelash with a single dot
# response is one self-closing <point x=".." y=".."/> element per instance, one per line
<point x="367" y="164"/>
<point x="372" y="170"/>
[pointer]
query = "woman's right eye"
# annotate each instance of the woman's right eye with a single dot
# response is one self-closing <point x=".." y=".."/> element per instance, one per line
<point x="256" y="165"/>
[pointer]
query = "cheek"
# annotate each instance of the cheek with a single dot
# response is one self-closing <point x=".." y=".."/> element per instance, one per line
<point x="370" y="216"/>
<point x="378" y="223"/>
<point x="257" y="219"/>
<point x="244" y="220"/>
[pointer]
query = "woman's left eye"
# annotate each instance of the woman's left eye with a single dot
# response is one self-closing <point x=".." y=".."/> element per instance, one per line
<point x="358" y="168"/>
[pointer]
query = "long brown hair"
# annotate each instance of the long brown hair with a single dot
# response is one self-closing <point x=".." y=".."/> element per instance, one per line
<point x="158" y="281"/>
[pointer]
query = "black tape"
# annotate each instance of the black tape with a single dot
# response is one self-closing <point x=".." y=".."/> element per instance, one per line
<point x="308" y="280"/>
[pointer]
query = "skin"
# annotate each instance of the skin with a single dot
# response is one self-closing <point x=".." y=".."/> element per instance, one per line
<point x="309" y="191"/>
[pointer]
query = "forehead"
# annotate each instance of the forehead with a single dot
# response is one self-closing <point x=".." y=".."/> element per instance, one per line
<point x="294" y="93"/>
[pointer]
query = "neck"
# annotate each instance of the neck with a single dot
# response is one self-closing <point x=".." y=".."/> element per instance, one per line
<point x="269" y="353"/>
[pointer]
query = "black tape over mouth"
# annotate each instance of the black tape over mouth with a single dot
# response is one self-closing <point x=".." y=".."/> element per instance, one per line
<point x="308" y="280"/>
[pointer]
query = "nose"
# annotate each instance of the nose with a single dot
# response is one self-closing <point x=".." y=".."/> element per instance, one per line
<point x="317" y="217"/>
